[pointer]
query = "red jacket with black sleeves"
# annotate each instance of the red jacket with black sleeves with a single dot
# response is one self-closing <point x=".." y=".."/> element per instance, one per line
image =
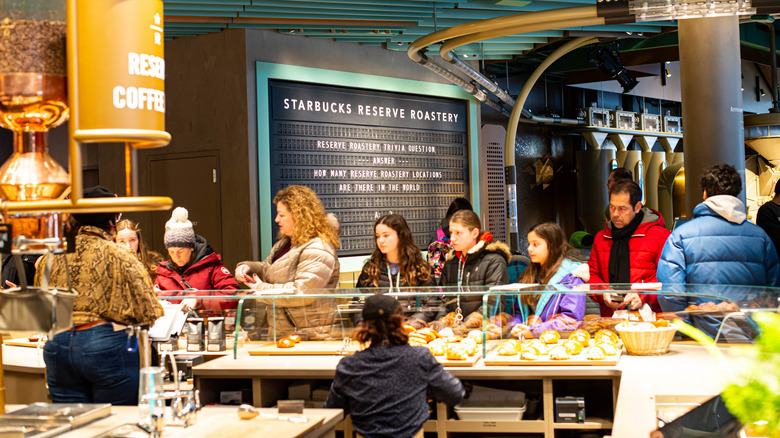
<point x="207" y="273"/>
<point x="645" y="247"/>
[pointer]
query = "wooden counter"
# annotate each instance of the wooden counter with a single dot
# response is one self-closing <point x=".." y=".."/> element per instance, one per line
<point x="322" y="423"/>
<point x="633" y="383"/>
<point x="25" y="375"/>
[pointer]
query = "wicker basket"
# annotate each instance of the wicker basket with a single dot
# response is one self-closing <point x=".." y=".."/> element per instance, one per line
<point x="650" y="342"/>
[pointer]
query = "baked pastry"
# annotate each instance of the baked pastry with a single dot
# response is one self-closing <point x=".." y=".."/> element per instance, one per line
<point x="418" y="338"/>
<point x="591" y="317"/>
<point x="509" y="348"/>
<point x="285" y="343"/>
<point x="606" y="334"/>
<point x="437" y="349"/>
<point x="453" y="339"/>
<point x="448" y="319"/>
<point x="539" y="346"/>
<point x="294" y="338"/>
<point x="596" y="353"/>
<point x="550" y="337"/>
<point x="559" y="353"/>
<point x="660" y="323"/>
<point x="446" y="332"/>
<point x="408" y="329"/>
<point x="476" y="336"/>
<point x="427" y="333"/>
<point x="417" y="342"/>
<point x="456" y="352"/>
<point x="580" y="332"/>
<point x="530" y="353"/>
<point x="474" y="320"/>
<point x="469" y="345"/>
<point x="573" y="346"/>
<point x="500" y="319"/>
<point x="609" y="348"/>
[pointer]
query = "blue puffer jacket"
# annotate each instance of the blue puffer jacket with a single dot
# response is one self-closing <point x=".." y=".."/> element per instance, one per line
<point x="719" y="246"/>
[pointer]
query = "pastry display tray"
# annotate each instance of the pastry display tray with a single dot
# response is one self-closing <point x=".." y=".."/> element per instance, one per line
<point x="577" y="359"/>
<point x="306" y="348"/>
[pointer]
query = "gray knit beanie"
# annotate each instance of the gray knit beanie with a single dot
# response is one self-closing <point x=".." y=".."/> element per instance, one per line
<point x="178" y="230"/>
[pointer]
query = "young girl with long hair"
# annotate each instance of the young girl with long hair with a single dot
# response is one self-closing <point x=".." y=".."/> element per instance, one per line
<point x="128" y="233"/>
<point x="396" y="260"/>
<point x="547" y="248"/>
<point x="372" y="384"/>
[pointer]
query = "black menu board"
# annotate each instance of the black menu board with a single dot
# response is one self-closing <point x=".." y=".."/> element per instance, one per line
<point x="369" y="153"/>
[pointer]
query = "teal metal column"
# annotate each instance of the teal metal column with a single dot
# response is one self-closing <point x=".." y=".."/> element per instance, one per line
<point x="711" y="100"/>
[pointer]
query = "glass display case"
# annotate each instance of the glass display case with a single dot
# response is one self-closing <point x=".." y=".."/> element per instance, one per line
<point x="322" y="321"/>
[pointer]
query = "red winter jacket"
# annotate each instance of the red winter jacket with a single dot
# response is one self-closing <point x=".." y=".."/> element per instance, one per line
<point x="207" y="273"/>
<point x="645" y="248"/>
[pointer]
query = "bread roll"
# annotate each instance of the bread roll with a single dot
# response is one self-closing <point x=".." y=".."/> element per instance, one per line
<point x="285" y="343"/>
<point x="550" y="337"/>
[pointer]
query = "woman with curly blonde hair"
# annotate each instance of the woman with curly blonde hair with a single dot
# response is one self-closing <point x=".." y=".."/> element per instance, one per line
<point x="302" y="261"/>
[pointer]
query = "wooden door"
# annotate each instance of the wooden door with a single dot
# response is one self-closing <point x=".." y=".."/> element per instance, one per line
<point x="192" y="181"/>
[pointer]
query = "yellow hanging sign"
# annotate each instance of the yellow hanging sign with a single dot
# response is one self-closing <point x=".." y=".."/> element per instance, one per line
<point x="120" y="72"/>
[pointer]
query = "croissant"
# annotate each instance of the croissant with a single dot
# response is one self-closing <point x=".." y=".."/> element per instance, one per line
<point x="596" y="353"/>
<point x="285" y="343"/>
<point x="539" y="346"/>
<point x="605" y="334"/>
<point x="474" y="320"/>
<point x="572" y="346"/>
<point x="456" y="352"/>
<point x="559" y="353"/>
<point x="609" y="348"/>
<point x="476" y="335"/>
<point x="427" y="333"/>
<point x="530" y="354"/>
<point x="453" y="339"/>
<point x="550" y="337"/>
<point x="417" y="337"/>
<point x="580" y="332"/>
<point x="408" y="329"/>
<point x="295" y="338"/>
<point x="509" y="348"/>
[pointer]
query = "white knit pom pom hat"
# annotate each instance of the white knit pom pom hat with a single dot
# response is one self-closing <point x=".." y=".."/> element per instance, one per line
<point x="178" y="230"/>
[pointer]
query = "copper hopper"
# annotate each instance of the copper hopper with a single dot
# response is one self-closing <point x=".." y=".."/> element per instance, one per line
<point x="33" y="99"/>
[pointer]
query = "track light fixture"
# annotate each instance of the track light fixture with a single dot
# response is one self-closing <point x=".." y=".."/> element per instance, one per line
<point x="608" y="61"/>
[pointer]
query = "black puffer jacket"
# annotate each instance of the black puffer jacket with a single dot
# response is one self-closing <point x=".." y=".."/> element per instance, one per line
<point x="484" y="265"/>
<point x="410" y="302"/>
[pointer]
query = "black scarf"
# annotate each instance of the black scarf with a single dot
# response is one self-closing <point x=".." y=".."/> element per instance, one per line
<point x="619" y="257"/>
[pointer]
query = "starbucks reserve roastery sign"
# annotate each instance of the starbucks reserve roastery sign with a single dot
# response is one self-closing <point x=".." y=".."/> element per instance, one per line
<point x="370" y="153"/>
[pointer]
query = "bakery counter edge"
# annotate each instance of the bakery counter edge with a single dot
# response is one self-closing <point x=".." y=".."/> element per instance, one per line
<point x="684" y="370"/>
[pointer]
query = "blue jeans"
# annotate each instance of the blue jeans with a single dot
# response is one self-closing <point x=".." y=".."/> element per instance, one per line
<point x="91" y="366"/>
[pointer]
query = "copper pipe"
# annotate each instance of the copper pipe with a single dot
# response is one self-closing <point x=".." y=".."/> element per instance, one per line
<point x="528" y="18"/>
<point x="92" y="205"/>
<point x="511" y="132"/>
<point x="129" y="173"/>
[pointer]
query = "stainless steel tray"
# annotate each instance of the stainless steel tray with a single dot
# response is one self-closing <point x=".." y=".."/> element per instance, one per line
<point x="74" y="414"/>
<point x="27" y="428"/>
